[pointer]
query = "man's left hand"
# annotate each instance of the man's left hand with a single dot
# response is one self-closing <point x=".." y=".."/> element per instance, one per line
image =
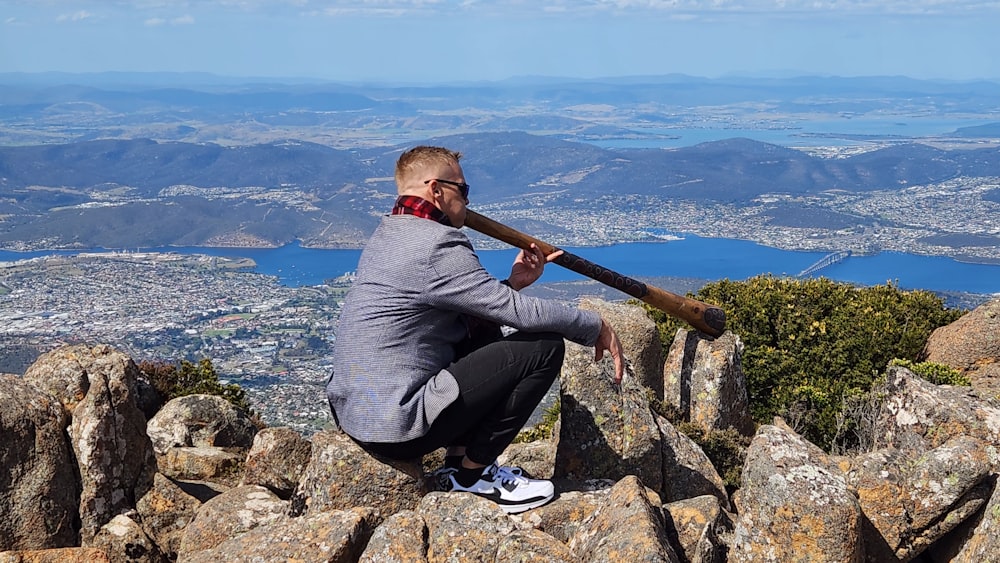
<point x="528" y="266"/>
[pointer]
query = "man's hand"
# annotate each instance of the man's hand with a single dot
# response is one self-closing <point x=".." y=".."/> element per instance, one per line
<point x="608" y="340"/>
<point x="528" y="267"/>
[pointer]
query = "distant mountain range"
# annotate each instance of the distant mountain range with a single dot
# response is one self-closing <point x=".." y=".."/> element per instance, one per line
<point x="130" y="193"/>
<point x="126" y="160"/>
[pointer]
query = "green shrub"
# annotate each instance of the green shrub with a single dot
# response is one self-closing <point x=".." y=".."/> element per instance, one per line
<point x="938" y="374"/>
<point x="172" y="381"/>
<point x="810" y="343"/>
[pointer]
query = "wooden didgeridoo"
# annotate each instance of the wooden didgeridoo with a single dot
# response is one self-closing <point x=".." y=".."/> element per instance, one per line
<point x="707" y="318"/>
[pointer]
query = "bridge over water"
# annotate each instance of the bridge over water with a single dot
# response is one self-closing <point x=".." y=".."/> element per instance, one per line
<point x="828" y="260"/>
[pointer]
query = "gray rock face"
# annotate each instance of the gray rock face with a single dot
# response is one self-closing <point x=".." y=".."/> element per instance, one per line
<point x="228" y="515"/>
<point x="125" y="541"/>
<point x="794" y="504"/>
<point x="200" y="420"/>
<point x="107" y="432"/>
<point x="605" y="431"/>
<point x="703" y="380"/>
<point x="911" y="500"/>
<point x="277" y="460"/>
<point x="39" y="495"/>
<point x="165" y="511"/>
<point x="700" y="526"/>
<point x="628" y="527"/>
<point x="341" y="475"/>
<point x="337" y="536"/>
<point x="687" y="471"/>
<point x="919" y="415"/>
<point x="984" y="542"/>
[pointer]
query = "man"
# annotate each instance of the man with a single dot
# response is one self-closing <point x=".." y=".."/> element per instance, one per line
<point x="420" y="362"/>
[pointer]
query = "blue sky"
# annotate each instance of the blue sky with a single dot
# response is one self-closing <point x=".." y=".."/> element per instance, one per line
<point x="426" y="41"/>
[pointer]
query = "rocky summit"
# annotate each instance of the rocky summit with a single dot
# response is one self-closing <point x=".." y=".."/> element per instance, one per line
<point x="85" y="476"/>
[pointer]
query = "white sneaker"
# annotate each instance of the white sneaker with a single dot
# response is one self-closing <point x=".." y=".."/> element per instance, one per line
<point x="511" y="491"/>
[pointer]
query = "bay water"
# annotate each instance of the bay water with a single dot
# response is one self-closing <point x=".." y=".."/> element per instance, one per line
<point x="690" y="257"/>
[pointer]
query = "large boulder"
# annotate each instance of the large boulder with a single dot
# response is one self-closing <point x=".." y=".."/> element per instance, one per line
<point x="605" y="430"/>
<point x="38" y="489"/>
<point x="794" y="504"/>
<point x="107" y="432"/>
<point x="628" y="527"/>
<point x="200" y="420"/>
<point x="228" y="515"/>
<point x="918" y="415"/>
<point x="125" y="542"/>
<point x="201" y="463"/>
<point x="971" y="345"/>
<point x="911" y="499"/>
<point x="334" y="536"/>
<point x="399" y="538"/>
<point x="340" y="475"/>
<point x="165" y="510"/>
<point x="703" y="380"/>
<point x="277" y="460"/>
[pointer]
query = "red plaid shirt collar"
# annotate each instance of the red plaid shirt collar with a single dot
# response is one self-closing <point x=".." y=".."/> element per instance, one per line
<point x="413" y="205"/>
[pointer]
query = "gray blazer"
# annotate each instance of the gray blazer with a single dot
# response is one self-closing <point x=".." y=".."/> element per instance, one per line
<point x="403" y="317"/>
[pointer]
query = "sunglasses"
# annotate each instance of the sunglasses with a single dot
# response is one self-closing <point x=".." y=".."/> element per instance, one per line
<point x="463" y="188"/>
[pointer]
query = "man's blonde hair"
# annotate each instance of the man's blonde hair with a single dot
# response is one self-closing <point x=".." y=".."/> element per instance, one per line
<point x="418" y="158"/>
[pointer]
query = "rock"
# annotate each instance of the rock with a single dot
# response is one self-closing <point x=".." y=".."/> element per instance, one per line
<point x="910" y="501"/>
<point x="639" y="337"/>
<point x="698" y="525"/>
<point x="532" y="545"/>
<point x="107" y="432"/>
<point x="563" y="517"/>
<point x="341" y="475"/>
<point x="62" y="373"/>
<point x="538" y="458"/>
<point x="61" y="555"/>
<point x="200" y="420"/>
<point x="984" y="542"/>
<point x="201" y="464"/>
<point x="124" y="541"/>
<point x="463" y="527"/>
<point x="703" y="380"/>
<point x="276" y="460"/>
<point x="794" y="504"/>
<point x="399" y="539"/>
<point x="687" y="471"/>
<point x="971" y="345"/>
<point x="627" y="527"/>
<point x="605" y="431"/>
<point x="919" y="415"/>
<point x="336" y="536"/>
<point x="165" y="510"/>
<point x="228" y="515"/>
<point x="39" y="493"/>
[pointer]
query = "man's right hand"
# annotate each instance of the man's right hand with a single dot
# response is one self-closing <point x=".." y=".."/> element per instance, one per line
<point x="608" y="340"/>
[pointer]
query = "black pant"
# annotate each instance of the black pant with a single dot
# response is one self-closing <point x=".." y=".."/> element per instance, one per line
<point x="500" y="384"/>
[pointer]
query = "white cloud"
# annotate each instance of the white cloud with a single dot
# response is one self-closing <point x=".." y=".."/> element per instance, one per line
<point x="157" y="22"/>
<point x="77" y="16"/>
